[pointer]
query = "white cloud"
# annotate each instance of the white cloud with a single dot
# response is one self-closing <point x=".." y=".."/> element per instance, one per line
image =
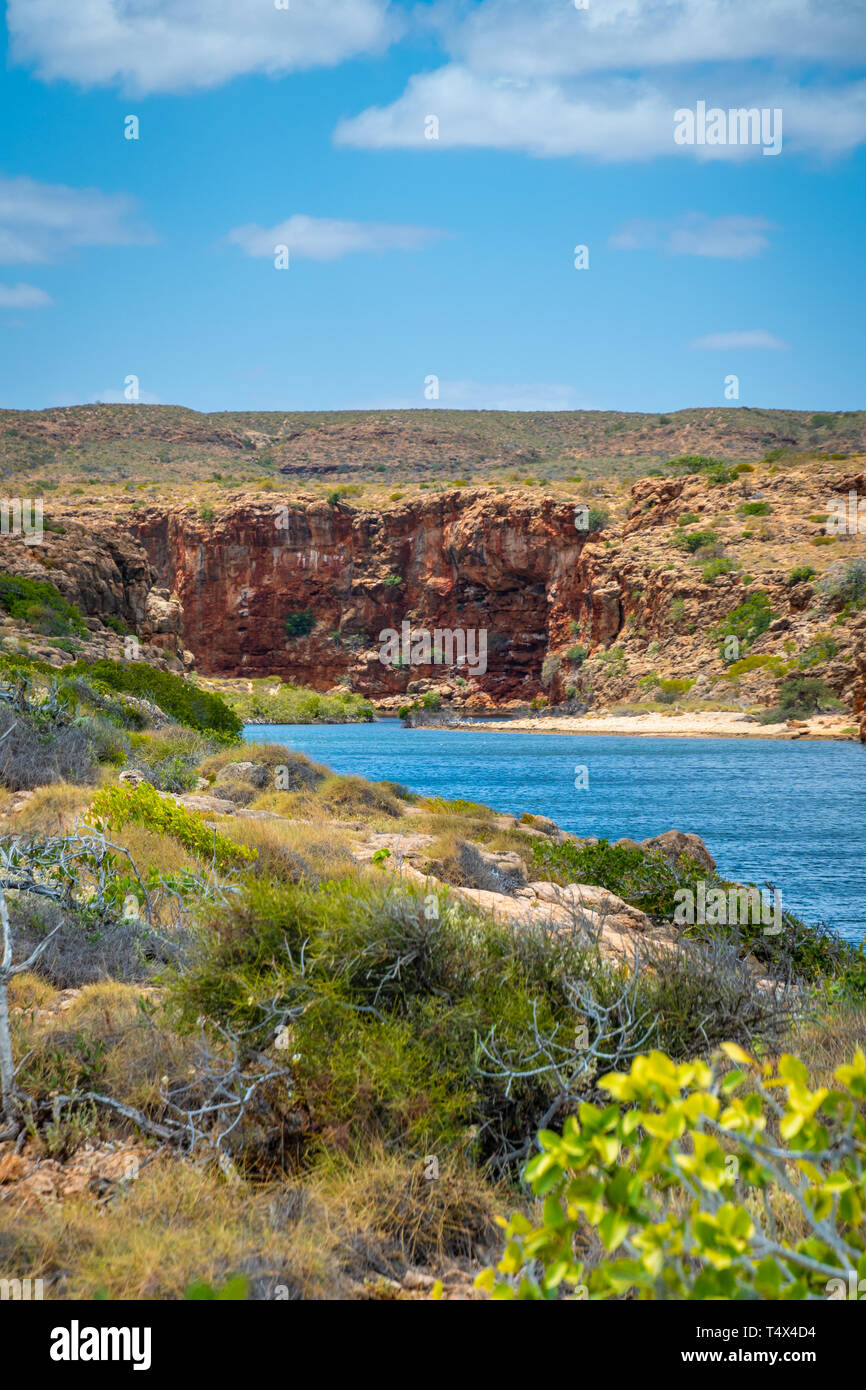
<point x="609" y="118"/>
<point x="326" y="239"/>
<point x="550" y="38"/>
<point x="618" y="121"/>
<point x="732" y="342"/>
<point x="181" y="45"/>
<point x="23" y="296"/>
<point x="41" y="221"/>
<point x="728" y="238"/>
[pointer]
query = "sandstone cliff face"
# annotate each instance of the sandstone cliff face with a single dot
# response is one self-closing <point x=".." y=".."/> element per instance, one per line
<point x="564" y="612"/>
<point x="513" y="566"/>
<point x="516" y="568"/>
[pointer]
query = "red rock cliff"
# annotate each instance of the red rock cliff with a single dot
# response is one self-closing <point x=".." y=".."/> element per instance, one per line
<point x="514" y="567"/>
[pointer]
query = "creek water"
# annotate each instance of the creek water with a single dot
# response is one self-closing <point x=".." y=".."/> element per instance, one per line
<point x="789" y="813"/>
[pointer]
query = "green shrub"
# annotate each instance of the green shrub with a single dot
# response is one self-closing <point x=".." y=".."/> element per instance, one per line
<point x="824" y="648"/>
<point x="176" y="696"/>
<point x="721" y="565"/>
<point x="597" y="520"/>
<point x="577" y="654"/>
<point x="693" y="463"/>
<point x="747" y="621"/>
<point x="696" y="540"/>
<point x="800" y="574"/>
<point x="300" y="624"/>
<point x="279" y="702"/>
<point x="641" y="877"/>
<point x="117" y="806"/>
<point x="844" y="583"/>
<point x="755" y="509"/>
<point x="393" y="991"/>
<point x="41" y="606"/>
<point x="799" y="698"/>
<point x="714" y="469"/>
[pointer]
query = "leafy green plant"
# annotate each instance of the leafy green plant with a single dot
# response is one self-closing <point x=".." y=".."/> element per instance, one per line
<point x="721" y="565"/>
<point x="755" y="509"/>
<point x="117" y="806"/>
<point x="747" y="621"/>
<point x="799" y="698"/>
<point x="693" y="541"/>
<point x="300" y="624"/>
<point x="844" y="583"/>
<point x="279" y="702"/>
<point x="800" y="574"/>
<point x="711" y="1182"/>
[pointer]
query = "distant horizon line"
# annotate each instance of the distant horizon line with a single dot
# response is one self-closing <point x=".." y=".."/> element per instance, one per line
<point x="426" y="410"/>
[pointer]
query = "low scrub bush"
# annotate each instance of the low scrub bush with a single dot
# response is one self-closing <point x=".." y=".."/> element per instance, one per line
<point x="300" y="624"/>
<point x="40" y="606"/>
<point x="177" y="697"/>
<point x="721" y="565"/>
<point x="39" y="747"/>
<point x="645" y="878"/>
<point x="844" y="584"/>
<point x="692" y="541"/>
<point x="746" y="622"/>
<point x="277" y="702"/>
<point x="799" y="698"/>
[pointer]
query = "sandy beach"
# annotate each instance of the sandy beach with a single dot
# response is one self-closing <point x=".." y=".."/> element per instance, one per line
<point x="704" y="724"/>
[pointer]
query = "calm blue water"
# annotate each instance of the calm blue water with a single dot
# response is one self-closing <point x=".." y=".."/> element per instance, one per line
<point x="793" y="814"/>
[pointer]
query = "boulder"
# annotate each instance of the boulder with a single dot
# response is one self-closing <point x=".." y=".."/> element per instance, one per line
<point x="208" y="805"/>
<point x="255" y="774"/>
<point x="499" y="871"/>
<point x="674" y="843"/>
<point x="131" y="778"/>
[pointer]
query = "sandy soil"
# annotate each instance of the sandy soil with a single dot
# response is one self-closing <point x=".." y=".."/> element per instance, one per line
<point x="710" y="724"/>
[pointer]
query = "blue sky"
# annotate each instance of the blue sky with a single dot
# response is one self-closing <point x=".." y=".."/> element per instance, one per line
<point x="412" y="257"/>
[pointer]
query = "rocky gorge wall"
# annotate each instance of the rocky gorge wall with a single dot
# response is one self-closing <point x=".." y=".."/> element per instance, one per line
<point x="602" y="615"/>
<point x="514" y="567"/>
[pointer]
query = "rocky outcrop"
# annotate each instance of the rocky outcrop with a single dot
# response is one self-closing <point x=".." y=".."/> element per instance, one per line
<point x="673" y="844"/>
<point x="105" y="571"/>
<point x="582" y="619"/>
<point x="514" y="568"/>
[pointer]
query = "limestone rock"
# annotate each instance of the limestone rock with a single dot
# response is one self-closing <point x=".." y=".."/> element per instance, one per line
<point x="674" y="843"/>
<point x="256" y="774"/>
